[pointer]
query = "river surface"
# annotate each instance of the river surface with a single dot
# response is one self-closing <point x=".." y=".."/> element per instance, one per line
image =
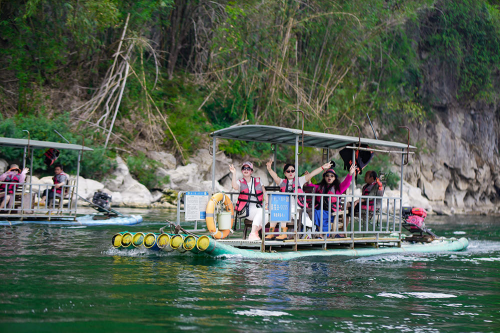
<point x="69" y="279"/>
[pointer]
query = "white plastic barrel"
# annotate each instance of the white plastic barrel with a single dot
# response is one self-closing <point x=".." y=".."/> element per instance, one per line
<point x="224" y="220"/>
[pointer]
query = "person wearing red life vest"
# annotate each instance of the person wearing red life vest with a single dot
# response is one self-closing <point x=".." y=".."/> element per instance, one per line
<point x="7" y="191"/>
<point x="373" y="187"/>
<point x="251" y="196"/>
<point x="288" y="185"/>
<point x="59" y="179"/>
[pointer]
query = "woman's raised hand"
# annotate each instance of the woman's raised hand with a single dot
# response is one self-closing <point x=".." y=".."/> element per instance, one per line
<point x="232" y="169"/>
<point x="352" y="169"/>
<point x="326" y="166"/>
<point x="269" y="164"/>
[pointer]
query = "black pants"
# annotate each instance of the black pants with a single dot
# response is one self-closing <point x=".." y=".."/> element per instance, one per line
<point x="50" y="195"/>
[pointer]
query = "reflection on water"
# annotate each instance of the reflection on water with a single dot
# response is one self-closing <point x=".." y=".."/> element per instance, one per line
<point x="71" y="279"/>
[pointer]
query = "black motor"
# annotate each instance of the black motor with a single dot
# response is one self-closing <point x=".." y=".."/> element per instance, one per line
<point x="102" y="200"/>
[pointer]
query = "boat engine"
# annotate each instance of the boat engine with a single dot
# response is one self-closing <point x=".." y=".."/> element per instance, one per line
<point x="102" y="200"/>
<point x="414" y="222"/>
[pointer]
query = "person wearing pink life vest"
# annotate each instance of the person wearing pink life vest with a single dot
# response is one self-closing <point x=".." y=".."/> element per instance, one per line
<point x="329" y="185"/>
<point x="251" y="196"/>
<point x="59" y="179"/>
<point x="288" y="185"/>
<point x="7" y="191"/>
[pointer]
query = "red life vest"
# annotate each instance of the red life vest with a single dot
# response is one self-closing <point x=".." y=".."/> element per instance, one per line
<point x="368" y="189"/>
<point x="244" y="197"/>
<point x="284" y="188"/>
<point x="56" y="181"/>
<point x="11" y="188"/>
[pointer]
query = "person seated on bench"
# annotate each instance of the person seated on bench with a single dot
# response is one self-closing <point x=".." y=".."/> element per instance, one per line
<point x="8" y="191"/>
<point x="373" y="187"/>
<point x="288" y="185"/>
<point x="249" y="203"/>
<point x="329" y="185"/>
<point x="59" y="179"/>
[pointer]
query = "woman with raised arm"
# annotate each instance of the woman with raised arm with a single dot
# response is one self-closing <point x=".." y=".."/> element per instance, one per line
<point x="249" y="203"/>
<point x="288" y="185"/>
<point x="330" y="185"/>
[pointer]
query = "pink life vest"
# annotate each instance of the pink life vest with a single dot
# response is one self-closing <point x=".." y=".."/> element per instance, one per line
<point x="333" y="199"/>
<point x="56" y="181"/>
<point x="244" y="197"/>
<point x="284" y="188"/>
<point x="11" y="188"/>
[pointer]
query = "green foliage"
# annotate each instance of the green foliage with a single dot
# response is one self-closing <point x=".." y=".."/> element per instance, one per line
<point x="95" y="164"/>
<point x="143" y="169"/>
<point x="466" y="35"/>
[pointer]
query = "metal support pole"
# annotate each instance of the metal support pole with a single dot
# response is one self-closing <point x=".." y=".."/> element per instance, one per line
<point x="31" y="179"/>
<point x="24" y="158"/>
<point x="297" y="187"/>
<point x="352" y="202"/>
<point x="275" y="157"/>
<point x="213" y="164"/>
<point x="401" y="197"/>
<point x="77" y="179"/>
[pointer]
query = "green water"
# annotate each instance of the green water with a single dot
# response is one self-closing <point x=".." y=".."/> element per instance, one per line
<point x="71" y="280"/>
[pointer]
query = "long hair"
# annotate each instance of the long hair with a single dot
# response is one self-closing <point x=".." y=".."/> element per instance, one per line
<point x="326" y="187"/>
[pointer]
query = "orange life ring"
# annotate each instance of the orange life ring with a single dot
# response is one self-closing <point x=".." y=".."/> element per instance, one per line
<point x="210" y="219"/>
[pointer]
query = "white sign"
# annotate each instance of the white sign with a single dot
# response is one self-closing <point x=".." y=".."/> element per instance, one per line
<point x="195" y="205"/>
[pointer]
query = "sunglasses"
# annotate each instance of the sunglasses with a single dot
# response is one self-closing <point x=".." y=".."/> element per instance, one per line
<point x="247" y="168"/>
<point x="330" y="175"/>
<point x="289" y="171"/>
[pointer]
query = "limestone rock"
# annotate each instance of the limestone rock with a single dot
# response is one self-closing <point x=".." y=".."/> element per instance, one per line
<point x="166" y="159"/>
<point x="133" y="193"/>
<point x="4" y="165"/>
<point x="87" y="187"/>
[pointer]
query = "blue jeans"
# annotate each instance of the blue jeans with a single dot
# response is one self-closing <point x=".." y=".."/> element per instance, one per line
<point x="322" y="214"/>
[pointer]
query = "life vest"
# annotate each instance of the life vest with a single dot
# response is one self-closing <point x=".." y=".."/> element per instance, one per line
<point x="51" y="156"/>
<point x="374" y="189"/>
<point x="284" y="188"/>
<point x="56" y="181"/>
<point x="362" y="158"/>
<point x="333" y="199"/>
<point x="244" y="197"/>
<point x="11" y="188"/>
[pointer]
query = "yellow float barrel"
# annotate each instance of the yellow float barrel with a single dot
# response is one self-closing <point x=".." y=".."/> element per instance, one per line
<point x="138" y="239"/>
<point x="150" y="241"/>
<point x="190" y="244"/>
<point x="127" y="240"/>
<point x="176" y="242"/>
<point x="205" y="243"/>
<point x="116" y="241"/>
<point x="163" y="242"/>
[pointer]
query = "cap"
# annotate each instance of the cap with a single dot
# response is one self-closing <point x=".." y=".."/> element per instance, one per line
<point x="330" y="171"/>
<point x="247" y="163"/>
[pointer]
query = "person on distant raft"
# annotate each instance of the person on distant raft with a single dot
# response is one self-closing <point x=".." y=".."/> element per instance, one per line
<point x="59" y="179"/>
<point x="329" y="185"/>
<point x="288" y="185"/>
<point x="7" y="191"/>
<point x="249" y="203"/>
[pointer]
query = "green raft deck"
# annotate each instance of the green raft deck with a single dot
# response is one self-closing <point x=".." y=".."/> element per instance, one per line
<point x="277" y="250"/>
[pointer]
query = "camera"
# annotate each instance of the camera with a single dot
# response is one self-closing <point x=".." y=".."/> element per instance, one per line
<point x="332" y="163"/>
<point x="102" y="199"/>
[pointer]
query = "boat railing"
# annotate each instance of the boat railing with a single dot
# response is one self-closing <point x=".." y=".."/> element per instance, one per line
<point x="375" y="222"/>
<point x="27" y="196"/>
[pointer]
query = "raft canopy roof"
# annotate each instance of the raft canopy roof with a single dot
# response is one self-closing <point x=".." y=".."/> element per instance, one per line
<point x="287" y="136"/>
<point x="21" y="143"/>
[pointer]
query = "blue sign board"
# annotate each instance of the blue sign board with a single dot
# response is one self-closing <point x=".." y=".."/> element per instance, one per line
<point x="280" y="207"/>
